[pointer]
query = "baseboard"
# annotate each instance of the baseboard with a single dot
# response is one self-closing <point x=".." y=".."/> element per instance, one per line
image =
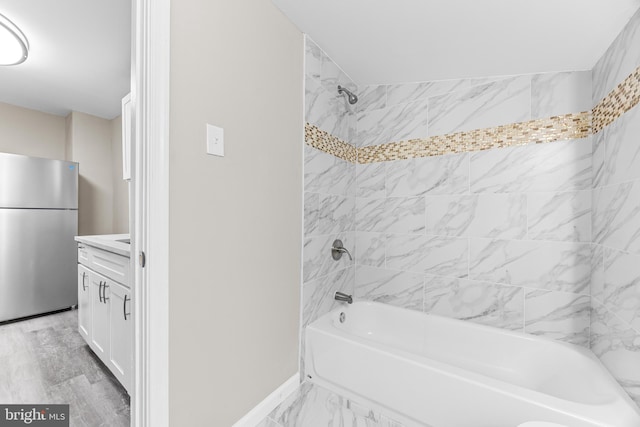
<point x="264" y="408"/>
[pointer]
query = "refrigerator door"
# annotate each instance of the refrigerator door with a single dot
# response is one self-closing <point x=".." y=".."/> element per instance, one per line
<point x="32" y="182"/>
<point x="37" y="261"/>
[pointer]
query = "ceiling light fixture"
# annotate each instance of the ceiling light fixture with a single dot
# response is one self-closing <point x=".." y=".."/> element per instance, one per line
<point x="14" y="46"/>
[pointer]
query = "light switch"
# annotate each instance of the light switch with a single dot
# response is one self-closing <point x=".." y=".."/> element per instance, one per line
<point x="215" y="140"/>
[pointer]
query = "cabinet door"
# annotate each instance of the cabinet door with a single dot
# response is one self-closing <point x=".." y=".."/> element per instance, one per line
<point x="99" y="315"/>
<point x="121" y="331"/>
<point x="84" y="303"/>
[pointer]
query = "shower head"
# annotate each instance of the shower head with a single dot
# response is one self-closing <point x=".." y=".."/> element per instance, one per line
<point x="352" y="98"/>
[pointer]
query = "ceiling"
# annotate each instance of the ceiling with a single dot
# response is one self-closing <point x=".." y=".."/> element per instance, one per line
<point x="395" y="41"/>
<point x="79" y="57"/>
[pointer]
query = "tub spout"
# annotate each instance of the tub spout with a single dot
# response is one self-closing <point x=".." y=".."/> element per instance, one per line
<point x="339" y="296"/>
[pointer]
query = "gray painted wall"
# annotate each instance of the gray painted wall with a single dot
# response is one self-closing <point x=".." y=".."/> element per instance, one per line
<point x="235" y="221"/>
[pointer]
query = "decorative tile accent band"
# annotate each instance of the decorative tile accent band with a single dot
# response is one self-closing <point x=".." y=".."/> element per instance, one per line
<point x="324" y="141"/>
<point x="568" y="126"/>
<point x="620" y="100"/>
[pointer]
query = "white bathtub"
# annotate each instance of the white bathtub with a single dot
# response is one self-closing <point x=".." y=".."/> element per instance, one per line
<point x="443" y="372"/>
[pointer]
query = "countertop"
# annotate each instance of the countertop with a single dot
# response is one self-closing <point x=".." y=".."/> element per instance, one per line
<point x="108" y="242"/>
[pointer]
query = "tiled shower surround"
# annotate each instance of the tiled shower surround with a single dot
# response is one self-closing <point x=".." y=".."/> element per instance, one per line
<point x="329" y="185"/>
<point x="498" y="237"/>
<point x="615" y="279"/>
<point x="540" y="238"/>
<point x="470" y="235"/>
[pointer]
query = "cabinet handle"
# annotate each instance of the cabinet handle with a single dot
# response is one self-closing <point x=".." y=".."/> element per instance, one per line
<point x="100" y="291"/>
<point x="84" y="275"/>
<point x="124" y="307"/>
<point x="104" y="293"/>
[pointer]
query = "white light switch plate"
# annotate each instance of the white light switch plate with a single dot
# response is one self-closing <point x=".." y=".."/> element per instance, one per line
<point x="215" y="140"/>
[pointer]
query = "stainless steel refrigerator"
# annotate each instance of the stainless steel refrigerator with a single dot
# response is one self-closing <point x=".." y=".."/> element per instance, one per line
<point x="38" y="221"/>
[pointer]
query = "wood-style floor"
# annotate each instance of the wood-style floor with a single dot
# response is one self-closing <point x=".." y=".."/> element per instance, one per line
<point x="44" y="360"/>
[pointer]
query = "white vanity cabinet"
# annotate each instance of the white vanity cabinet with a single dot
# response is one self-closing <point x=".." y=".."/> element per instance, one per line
<point x="105" y="318"/>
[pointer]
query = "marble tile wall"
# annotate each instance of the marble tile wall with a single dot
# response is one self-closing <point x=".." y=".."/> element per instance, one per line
<point x="329" y="189"/>
<point x="620" y="60"/>
<point x="388" y="113"/>
<point x="499" y="237"/>
<point x="615" y="280"/>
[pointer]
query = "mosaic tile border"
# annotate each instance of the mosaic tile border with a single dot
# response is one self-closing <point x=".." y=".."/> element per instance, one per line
<point x="324" y="141"/>
<point x="620" y="100"/>
<point x="558" y="128"/>
<point x="568" y="126"/>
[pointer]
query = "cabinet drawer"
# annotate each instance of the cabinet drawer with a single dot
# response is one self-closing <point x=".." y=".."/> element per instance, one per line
<point x="83" y="254"/>
<point x="113" y="266"/>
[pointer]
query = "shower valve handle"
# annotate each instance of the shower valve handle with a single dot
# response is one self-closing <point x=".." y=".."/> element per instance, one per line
<point x="338" y="249"/>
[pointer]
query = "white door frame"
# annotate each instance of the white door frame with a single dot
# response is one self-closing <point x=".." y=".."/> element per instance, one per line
<point x="150" y="199"/>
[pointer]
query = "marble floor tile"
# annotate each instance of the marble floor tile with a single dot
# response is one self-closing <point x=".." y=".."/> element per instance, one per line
<point x="314" y="406"/>
<point x="45" y="360"/>
<point x="21" y="379"/>
<point x="12" y="340"/>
